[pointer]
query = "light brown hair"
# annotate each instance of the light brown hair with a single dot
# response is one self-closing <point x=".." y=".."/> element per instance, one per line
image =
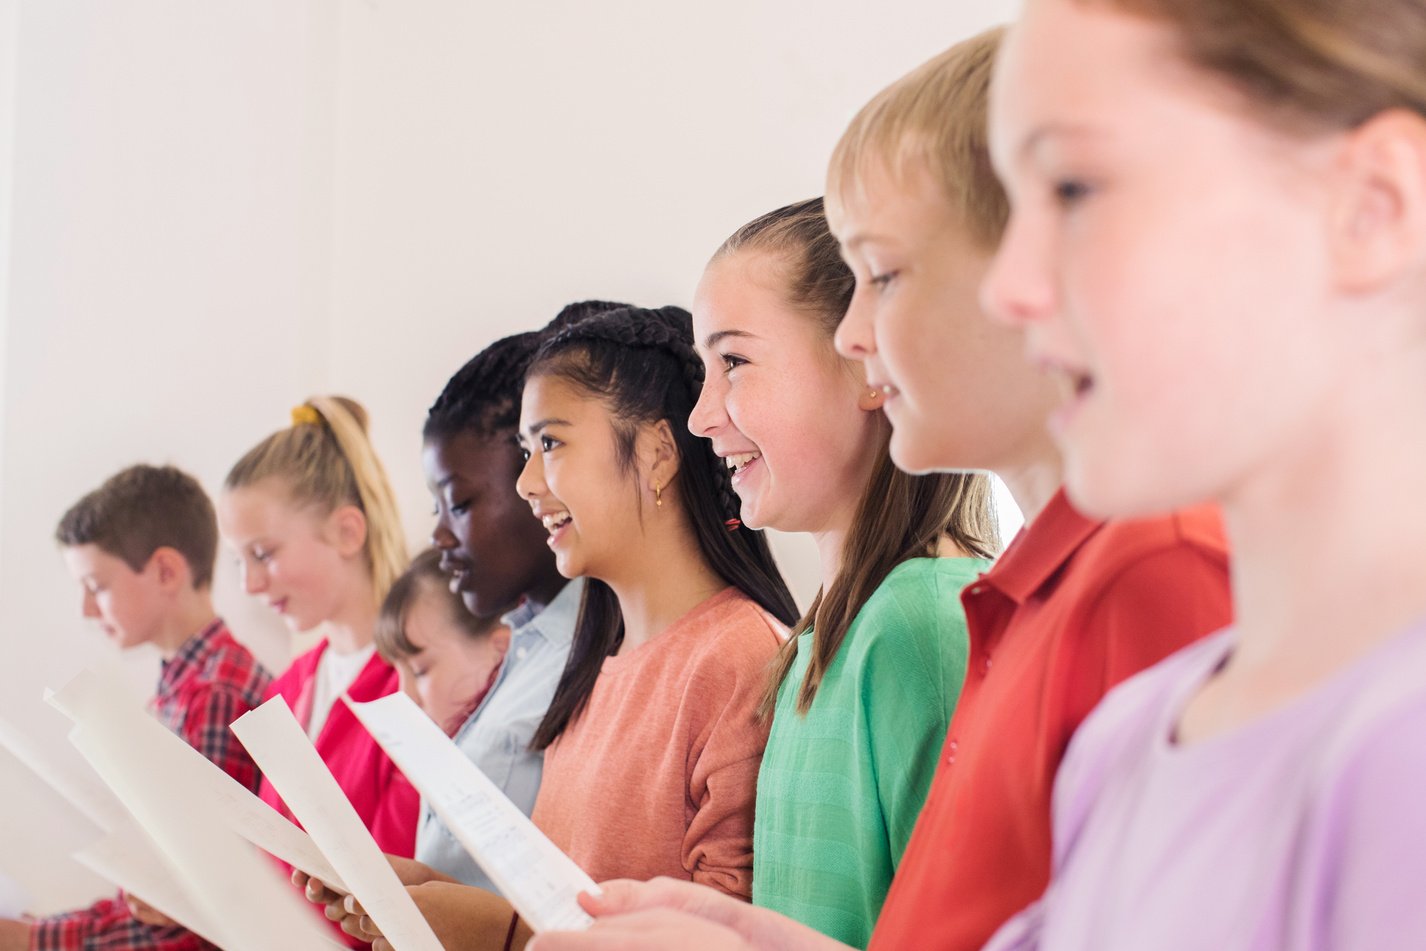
<point x="935" y="115"/>
<point x="1305" y="64"/>
<point x="899" y="516"/>
<point x="423" y="576"/>
<point x="325" y="459"/>
<point x="142" y="509"/>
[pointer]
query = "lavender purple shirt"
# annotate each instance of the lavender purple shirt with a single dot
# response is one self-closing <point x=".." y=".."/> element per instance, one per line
<point x="1304" y="830"/>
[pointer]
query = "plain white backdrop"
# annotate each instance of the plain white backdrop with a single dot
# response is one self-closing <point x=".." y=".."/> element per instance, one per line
<point x="209" y="211"/>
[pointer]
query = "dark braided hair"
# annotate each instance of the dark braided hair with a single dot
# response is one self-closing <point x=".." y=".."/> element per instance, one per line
<point x="643" y="366"/>
<point x="484" y="395"/>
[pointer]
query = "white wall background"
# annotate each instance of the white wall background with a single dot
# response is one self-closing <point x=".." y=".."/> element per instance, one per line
<point x="208" y="211"/>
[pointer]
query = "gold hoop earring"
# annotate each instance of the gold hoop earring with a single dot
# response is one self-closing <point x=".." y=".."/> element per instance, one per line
<point x="658" y="495"/>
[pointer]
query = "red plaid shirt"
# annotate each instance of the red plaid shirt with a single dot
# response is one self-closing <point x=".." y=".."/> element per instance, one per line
<point x="208" y="684"/>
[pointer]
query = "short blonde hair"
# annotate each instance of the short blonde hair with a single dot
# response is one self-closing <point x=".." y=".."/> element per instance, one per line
<point x="326" y="459"/>
<point x="934" y="115"/>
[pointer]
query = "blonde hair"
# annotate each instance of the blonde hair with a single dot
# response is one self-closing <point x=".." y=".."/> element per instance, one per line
<point x="1306" y="64"/>
<point x="325" y="459"/>
<point x="935" y="115"/>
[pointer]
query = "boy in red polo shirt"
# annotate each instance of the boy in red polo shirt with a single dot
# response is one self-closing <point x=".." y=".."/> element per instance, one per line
<point x="1073" y="607"/>
<point x="142" y="545"/>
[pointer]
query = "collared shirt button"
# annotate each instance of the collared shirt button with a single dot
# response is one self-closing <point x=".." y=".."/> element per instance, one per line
<point x="951" y="748"/>
<point x="985" y="665"/>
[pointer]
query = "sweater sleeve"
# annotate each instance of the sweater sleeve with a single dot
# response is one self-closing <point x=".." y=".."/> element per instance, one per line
<point x="914" y="668"/>
<point x="724" y="759"/>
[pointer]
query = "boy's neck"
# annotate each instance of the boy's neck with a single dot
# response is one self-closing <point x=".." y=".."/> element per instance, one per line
<point x="1033" y="481"/>
<point x="192" y="613"/>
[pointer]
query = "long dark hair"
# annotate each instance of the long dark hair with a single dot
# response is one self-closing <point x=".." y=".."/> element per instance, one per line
<point x="642" y="365"/>
<point x="899" y="516"/>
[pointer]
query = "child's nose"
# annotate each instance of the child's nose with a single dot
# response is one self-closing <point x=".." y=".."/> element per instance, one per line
<point x="709" y="412"/>
<point x="254" y="579"/>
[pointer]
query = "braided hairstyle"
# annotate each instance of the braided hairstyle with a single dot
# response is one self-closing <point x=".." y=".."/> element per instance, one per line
<point x="642" y="364"/>
<point x="484" y="395"/>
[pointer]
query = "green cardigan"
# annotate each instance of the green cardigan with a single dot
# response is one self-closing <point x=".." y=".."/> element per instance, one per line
<point x="840" y="787"/>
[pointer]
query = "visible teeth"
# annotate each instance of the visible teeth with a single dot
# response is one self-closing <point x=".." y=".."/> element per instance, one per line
<point x="555" y="521"/>
<point x="738" y="461"/>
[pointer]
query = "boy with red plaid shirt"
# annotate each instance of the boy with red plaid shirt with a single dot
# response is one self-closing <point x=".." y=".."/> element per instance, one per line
<point x="143" y="546"/>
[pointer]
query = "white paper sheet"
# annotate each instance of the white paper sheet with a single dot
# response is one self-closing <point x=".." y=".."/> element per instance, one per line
<point x="79" y="786"/>
<point x="241" y="811"/>
<point x="285" y="754"/>
<point x="237" y="893"/>
<point x="530" y="870"/>
<point x="128" y="859"/>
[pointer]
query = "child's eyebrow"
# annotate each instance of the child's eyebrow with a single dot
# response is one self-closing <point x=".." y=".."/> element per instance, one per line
<point x="715" y="337"/>
<point x="535" y="427"/>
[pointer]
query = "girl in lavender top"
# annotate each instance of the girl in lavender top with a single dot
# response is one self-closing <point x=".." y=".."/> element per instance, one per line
<point x="1218" y="243"/>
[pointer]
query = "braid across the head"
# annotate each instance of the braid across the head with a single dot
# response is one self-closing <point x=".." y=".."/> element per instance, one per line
<point x="484" y="395"/>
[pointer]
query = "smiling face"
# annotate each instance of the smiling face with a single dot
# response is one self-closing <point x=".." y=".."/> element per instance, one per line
<point x="489" y="546"/>
<point x="292" y="557"/>
<point x="449" y="667"/>
<point x="777" y="402"/>
<point x="128" y="604"/>
<point x="1166" y="258"/>
<point x="590" y="504"/>
<point x="960" y="394"/>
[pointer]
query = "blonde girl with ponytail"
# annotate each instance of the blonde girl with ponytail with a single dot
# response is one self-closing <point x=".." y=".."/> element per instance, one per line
<point x="312" y="517"/>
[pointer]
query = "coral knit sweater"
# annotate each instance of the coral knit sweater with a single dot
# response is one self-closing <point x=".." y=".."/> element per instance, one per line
<point x="658" y="775"/>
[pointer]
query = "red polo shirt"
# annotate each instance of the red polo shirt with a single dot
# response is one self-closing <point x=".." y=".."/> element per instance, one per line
<point x="1073" y="607"/>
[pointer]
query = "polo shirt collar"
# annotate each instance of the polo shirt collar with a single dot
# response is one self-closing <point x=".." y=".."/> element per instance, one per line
<point x="1041" y="549"/>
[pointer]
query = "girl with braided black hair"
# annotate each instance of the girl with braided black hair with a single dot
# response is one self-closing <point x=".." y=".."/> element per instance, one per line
<point x="652" y="741"/>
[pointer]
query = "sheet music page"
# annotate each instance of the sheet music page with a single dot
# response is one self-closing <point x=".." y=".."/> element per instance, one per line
<point x="79" y="786"/>
<point x="237" y="892"/>
<point x="287" y="758"/>
<point x="530" y="870"/>
<point x="242" y="811"/>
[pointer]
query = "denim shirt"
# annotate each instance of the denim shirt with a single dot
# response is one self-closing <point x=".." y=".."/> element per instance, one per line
<point x="496" y="737"/>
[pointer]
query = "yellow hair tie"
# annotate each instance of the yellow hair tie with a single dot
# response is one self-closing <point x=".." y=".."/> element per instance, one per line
<point x="305" y="415"/>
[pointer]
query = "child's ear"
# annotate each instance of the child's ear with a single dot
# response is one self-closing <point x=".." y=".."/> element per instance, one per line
<point x="1379" y="229"/>
<point x="660" y="454"/>
<point x="346" y="530"/>
<point x="170" y="568"/>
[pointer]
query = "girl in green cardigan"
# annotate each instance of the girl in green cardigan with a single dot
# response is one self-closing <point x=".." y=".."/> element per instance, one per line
<point x="862" y="694"/>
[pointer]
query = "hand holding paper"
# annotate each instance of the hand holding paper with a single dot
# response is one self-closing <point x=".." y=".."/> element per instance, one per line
<point x="287" y="758"/>
<point x="530" y="870"/>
